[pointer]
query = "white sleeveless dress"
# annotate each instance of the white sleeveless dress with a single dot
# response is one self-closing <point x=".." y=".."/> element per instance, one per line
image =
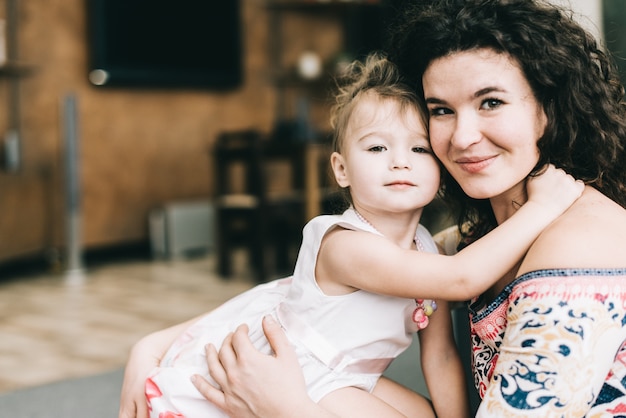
<point x="341" y="341"/>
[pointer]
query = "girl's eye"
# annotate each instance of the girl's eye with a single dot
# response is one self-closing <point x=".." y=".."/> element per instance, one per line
<point x="489" y="104"/>
<point x="421" y="150"/>
<point x="376" y="148"/>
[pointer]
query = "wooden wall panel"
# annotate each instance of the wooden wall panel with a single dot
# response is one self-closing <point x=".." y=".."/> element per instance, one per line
<point x="138" y="148"/>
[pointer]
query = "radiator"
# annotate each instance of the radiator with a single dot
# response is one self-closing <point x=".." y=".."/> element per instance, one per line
<point x="182" y="229"/>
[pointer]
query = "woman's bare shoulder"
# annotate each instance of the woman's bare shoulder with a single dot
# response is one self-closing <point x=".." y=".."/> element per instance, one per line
<point x="592" y="233"/>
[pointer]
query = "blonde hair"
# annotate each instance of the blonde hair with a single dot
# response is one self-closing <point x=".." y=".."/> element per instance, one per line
<point x="376" y="75"/>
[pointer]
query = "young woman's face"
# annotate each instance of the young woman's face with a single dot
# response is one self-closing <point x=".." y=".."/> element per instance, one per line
<point x="484" y="121"/>
<point x="386" y="158"/>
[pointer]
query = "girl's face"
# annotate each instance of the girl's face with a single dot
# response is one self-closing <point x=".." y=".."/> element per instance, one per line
<point x="386" y="158"/>
<point x="484" y="121"/>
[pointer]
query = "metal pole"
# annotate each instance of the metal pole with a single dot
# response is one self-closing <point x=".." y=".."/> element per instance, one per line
<point x="12" y="138"/>
<point x="74" y="267"/>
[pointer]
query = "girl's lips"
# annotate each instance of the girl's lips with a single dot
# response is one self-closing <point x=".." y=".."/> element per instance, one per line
<point x="400" y="184"/>
<point x="474" y="165"/>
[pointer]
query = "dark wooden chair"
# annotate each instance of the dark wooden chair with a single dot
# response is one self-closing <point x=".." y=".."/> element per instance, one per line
<point x="269" y="223"/>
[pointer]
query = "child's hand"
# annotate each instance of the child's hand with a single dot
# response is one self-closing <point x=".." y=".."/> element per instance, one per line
<point x="554" y="189"/>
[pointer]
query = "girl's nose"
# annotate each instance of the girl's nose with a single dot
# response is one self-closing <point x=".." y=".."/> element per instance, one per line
<point x="401" y="160"/>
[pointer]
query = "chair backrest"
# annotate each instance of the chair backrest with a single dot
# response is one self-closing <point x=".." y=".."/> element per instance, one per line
<point x="254" y="154"/>
<point x="242" y="148"/>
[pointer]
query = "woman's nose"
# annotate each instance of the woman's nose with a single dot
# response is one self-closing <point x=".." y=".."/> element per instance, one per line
<point x="466" y="131"/>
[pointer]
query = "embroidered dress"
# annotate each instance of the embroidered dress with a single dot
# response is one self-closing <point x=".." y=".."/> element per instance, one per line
<point x="553" y="344"/>
<point x="341" y="341"/>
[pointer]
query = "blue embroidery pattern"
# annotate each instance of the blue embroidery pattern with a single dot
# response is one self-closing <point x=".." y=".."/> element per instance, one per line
<point x="542" y="342"/>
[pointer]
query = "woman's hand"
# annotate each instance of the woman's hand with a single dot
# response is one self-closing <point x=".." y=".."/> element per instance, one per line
<point x="254" y="384"/>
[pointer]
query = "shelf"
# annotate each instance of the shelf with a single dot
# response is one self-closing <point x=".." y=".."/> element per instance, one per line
<point x="15" y="70"/>
<point x="312" y="6"/>
<point x="290" y="78"/>
<point x="360" y="26"/>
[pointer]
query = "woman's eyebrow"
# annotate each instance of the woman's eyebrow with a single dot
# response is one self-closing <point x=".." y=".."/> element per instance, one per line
<point x="479" y="93"/>
<point x="434" y="100"/>
<point x="488" y="90"/>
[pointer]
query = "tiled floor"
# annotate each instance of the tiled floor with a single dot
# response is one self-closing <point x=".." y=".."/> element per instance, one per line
<point x="56" y="327"/>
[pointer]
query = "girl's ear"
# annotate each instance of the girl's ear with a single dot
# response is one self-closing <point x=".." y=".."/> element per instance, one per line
<point x="338" y="165"/>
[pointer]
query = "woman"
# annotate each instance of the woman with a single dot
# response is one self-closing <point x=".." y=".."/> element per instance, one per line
<point x="509" y="85"/>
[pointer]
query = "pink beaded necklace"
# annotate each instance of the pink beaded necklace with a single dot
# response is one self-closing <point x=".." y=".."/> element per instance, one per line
<point x="424" y="307"/>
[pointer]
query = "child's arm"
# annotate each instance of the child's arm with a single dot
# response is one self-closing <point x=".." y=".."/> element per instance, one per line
<point x="145" y="355"/>
<point x="367" y="261"/>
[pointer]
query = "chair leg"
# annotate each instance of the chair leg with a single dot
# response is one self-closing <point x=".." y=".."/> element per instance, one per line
<point x="258" y="248"/>
<point x="287" y="238"/>
<point x="223" y="246"/>
<point x="281" y="244"/>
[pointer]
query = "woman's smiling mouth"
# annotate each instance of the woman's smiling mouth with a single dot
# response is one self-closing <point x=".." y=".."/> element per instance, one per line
<point x="474" y="164"/>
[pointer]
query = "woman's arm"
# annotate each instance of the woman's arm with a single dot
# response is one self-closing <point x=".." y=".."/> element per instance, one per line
<point x="442" y="370"/>
<point x="145" y="355"/>
<point x="442" y="367"/>
<point x="379" y="266"/>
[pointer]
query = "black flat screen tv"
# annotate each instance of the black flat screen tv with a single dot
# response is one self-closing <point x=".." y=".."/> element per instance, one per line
<point x="165" y="44"/>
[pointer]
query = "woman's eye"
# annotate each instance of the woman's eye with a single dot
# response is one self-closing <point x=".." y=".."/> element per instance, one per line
<point x="489" y="104"/>
<point x="439" y="111"/>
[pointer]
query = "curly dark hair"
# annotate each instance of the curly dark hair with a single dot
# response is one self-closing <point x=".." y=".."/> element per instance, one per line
<point x="573" y="79"/>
